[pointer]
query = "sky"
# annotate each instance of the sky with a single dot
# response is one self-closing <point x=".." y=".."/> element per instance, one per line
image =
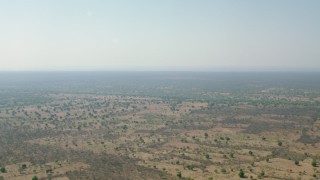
<point x="159" y="34"/>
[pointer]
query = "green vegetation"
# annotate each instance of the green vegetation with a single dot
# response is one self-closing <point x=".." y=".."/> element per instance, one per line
<point x="241" y="174"/>
<point x="190" y="167"/>
<point x="179" y="174"/>
<point x="207" y="156"/>
<point x="251" y="153"/>
<point x="206" y="135"/>
<point x="3" y="170"/>
<point x="160" y="125"/>
<point x="261" y="174"/>
<point x="314" y="163"/>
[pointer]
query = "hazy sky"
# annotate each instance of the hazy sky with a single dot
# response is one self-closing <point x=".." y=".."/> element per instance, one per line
<point x="158" y="34"/>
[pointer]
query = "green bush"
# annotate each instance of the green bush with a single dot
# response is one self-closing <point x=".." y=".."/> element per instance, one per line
<point x="2" y="170"/>
<point x="241" y="174"/>
<point x="179" y="174"/>
<point x="314" y="163"/>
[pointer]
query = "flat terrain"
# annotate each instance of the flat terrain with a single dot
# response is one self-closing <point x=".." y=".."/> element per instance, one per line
<point x="165" y="125"/>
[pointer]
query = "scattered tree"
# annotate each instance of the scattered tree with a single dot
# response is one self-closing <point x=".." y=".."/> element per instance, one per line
<point x="223" y="171"/>
<point x="261" y="174"/>
<point x="190" y="167"/>
<point x="207" y="156"/>
<point x="3" y="170"/>
<point x="241" y="174"/>
<point x="206" y="135"/>
<point x="179" y="174"/>
<point x="314" y="163"/>
<point x="251" y="153"/>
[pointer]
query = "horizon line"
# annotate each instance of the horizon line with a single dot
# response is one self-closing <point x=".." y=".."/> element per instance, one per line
<point x="165" y="70"/>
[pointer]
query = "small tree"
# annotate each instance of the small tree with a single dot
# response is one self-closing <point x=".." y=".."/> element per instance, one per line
<point x="268" y="160"/>
<point x="279" y="143"/>
<point x="2" y="170"/>
<point x="207" y="156"/>
<point x="241" y="174"/>
<point x="206" y="135"/>
<point x="190" y="167"/>
<point x="296" y="162"/>
<point x="223" y="170"/>
<point x="314" y="163"/>
<point x="34" y="178"/>
<point x="179" y="174"/>
<point x="251" y="153"/>
<point x="261" y="175"/>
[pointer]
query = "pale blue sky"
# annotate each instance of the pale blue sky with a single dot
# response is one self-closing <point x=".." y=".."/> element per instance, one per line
<point x="159" y="34"/>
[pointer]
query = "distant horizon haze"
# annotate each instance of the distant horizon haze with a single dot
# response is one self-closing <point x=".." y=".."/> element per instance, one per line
<point x="166" y="35"/>
<point x="168" y="69"/>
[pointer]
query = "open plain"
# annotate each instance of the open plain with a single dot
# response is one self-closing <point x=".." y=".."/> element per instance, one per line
<point x="164" y="125"/>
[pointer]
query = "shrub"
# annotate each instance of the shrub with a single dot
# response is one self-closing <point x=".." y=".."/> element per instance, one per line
<point x="261" y="174"/>
<point x="207" y="156"/>
<point x="190" y="167"/>
<point x="241" y="174"/>
<point x="223" y="170"/>
<point x="251" y="153"/>
<point x="314" y="163"/>
<point x="2" y="170"/>
<point x="179" y="174"/>
<point x="206" y="135"/>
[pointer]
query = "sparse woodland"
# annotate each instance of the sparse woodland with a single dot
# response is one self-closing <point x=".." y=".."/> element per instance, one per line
<point x="160" y="126"/>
